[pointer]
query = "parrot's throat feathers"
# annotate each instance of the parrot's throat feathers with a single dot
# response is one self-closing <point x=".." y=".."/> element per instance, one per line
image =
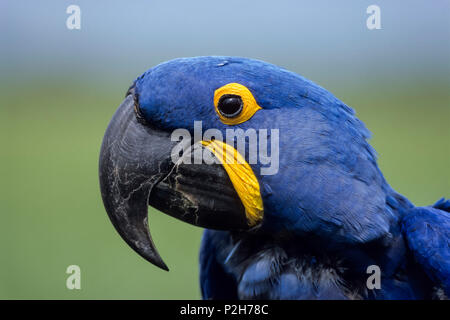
<point x="242" y="177"/>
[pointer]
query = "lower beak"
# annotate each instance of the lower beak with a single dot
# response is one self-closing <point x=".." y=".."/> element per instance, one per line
<point x="136" y="170"/>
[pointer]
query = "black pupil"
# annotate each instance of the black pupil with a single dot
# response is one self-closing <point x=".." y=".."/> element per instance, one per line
<point x="230" y="105"/>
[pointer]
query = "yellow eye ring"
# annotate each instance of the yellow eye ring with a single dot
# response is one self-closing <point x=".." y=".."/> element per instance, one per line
<point x="236" y="90"/>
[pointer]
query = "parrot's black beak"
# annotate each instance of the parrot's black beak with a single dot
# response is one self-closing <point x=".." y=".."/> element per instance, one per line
<point x="136" y="170"/>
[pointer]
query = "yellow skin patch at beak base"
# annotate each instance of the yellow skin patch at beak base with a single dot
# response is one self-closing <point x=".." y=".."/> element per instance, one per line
<point x="242" y="178"/>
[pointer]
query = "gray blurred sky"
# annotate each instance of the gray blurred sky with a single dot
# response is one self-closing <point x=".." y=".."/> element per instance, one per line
<point x="319" y="39"/>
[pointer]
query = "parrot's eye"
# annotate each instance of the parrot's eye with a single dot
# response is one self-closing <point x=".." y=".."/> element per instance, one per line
<point x="234" y="103"/>
<point x="230" y="105"/>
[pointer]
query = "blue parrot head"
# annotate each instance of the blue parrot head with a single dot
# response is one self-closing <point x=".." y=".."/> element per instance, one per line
<point x="305" y="166"/>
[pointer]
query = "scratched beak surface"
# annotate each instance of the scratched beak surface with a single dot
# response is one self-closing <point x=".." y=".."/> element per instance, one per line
<point x="136" y="170"/>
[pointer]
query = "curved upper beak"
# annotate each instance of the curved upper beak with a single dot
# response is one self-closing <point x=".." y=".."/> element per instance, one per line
<point x="136" y="170"/>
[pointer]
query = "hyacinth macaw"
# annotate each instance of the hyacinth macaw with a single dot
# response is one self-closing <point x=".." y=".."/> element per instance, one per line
<point x="309" y="231"/>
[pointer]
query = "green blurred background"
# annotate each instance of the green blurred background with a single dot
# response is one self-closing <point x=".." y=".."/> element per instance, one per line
<point x="60" y="87"/>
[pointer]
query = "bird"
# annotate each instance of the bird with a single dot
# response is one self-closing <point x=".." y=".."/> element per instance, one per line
<point x="325" y="224"/>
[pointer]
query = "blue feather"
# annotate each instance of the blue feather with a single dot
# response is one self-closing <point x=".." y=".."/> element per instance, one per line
<point x="329" y="213"/>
